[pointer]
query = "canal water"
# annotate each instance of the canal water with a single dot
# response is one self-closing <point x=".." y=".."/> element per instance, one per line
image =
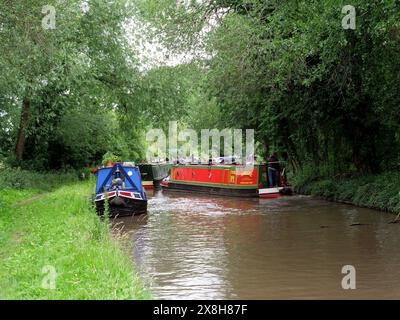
<point x="203" y="247"/>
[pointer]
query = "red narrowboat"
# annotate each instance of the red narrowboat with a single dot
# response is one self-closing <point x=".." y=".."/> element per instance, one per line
<point x="225" y="180"/>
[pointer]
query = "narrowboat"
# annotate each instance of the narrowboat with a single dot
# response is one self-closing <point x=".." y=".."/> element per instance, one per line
<point x="153" y="174"/>
<point x="120" y="185"/>
<point x="225" y="180"/>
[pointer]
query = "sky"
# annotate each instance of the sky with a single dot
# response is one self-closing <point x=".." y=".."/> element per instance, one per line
<point x="153" y="53"/>
<point x="150" y="51"/>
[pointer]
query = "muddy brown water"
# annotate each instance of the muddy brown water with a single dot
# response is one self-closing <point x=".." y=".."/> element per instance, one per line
<point x="202" y="247"/>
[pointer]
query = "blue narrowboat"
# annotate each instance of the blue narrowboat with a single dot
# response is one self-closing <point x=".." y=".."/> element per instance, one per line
<point x="121" y="186"/>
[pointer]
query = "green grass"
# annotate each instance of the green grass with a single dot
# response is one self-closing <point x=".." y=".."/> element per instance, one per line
<point x="60" y="230"/>
<point x="373" y="191"/>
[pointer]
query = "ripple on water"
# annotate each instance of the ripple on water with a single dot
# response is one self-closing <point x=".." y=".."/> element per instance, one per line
<point x="203" y="247"/>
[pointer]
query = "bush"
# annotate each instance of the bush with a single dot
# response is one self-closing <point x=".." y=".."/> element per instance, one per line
<point x="372" y="191"/>
<point x="17" y="178"/>
<point x="325" y="188"/>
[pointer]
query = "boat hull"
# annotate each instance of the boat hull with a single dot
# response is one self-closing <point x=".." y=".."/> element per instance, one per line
<point x="148" y="185"/>
<point x="213" y="190"/>
<point x="121" y="207"/>
<point x="271" y="193"/>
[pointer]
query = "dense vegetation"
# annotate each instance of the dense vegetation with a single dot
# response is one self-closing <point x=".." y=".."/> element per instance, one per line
<point x="59" y="87"/>
<point x="379" y="191"/>
<point x="325" y="97"/>
<point x="321" y="95"/>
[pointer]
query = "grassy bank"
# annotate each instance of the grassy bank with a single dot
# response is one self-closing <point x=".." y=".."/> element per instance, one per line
<point x="372" y="191"/>
<point x="58" y="231"/>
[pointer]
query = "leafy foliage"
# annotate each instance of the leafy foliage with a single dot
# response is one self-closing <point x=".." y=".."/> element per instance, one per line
<point x="317" y="93"/>
<point x="373" y="191"/>
<point x="314" y="91"/>
<point x="77" y="78"/>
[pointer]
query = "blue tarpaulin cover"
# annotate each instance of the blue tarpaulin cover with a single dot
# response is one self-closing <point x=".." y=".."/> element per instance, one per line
<point x="130" y="175"/>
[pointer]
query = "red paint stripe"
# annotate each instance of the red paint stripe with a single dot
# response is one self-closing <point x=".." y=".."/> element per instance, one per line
<point x="270" y="195"/>
<point x="216" y="175"/>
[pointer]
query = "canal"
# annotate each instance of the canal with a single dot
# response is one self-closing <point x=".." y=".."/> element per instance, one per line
<point x="201" y="247"/>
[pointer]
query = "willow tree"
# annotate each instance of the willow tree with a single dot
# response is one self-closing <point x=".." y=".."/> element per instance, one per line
<point x="67" y="54"/>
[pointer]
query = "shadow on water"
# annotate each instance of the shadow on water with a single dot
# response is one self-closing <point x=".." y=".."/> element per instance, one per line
<point x="201" y="247"/>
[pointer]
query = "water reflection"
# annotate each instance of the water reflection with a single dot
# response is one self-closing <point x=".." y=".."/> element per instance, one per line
<point x="201" y="247"/>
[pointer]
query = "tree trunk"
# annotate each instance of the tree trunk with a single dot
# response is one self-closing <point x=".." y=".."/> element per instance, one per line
<point x="20" y="145"/>
<point x="266" y="147"/>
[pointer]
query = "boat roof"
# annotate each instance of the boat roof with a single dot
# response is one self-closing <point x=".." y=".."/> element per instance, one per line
<point x="130" y="174"/>
<point x="216" y="165"/>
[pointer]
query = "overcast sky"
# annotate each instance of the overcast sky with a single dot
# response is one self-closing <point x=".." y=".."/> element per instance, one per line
<point x="151" y="52"/>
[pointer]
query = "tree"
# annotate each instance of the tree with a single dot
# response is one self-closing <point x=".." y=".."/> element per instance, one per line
<point x="323" y="95"/>
<point x="83" y="63"/>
